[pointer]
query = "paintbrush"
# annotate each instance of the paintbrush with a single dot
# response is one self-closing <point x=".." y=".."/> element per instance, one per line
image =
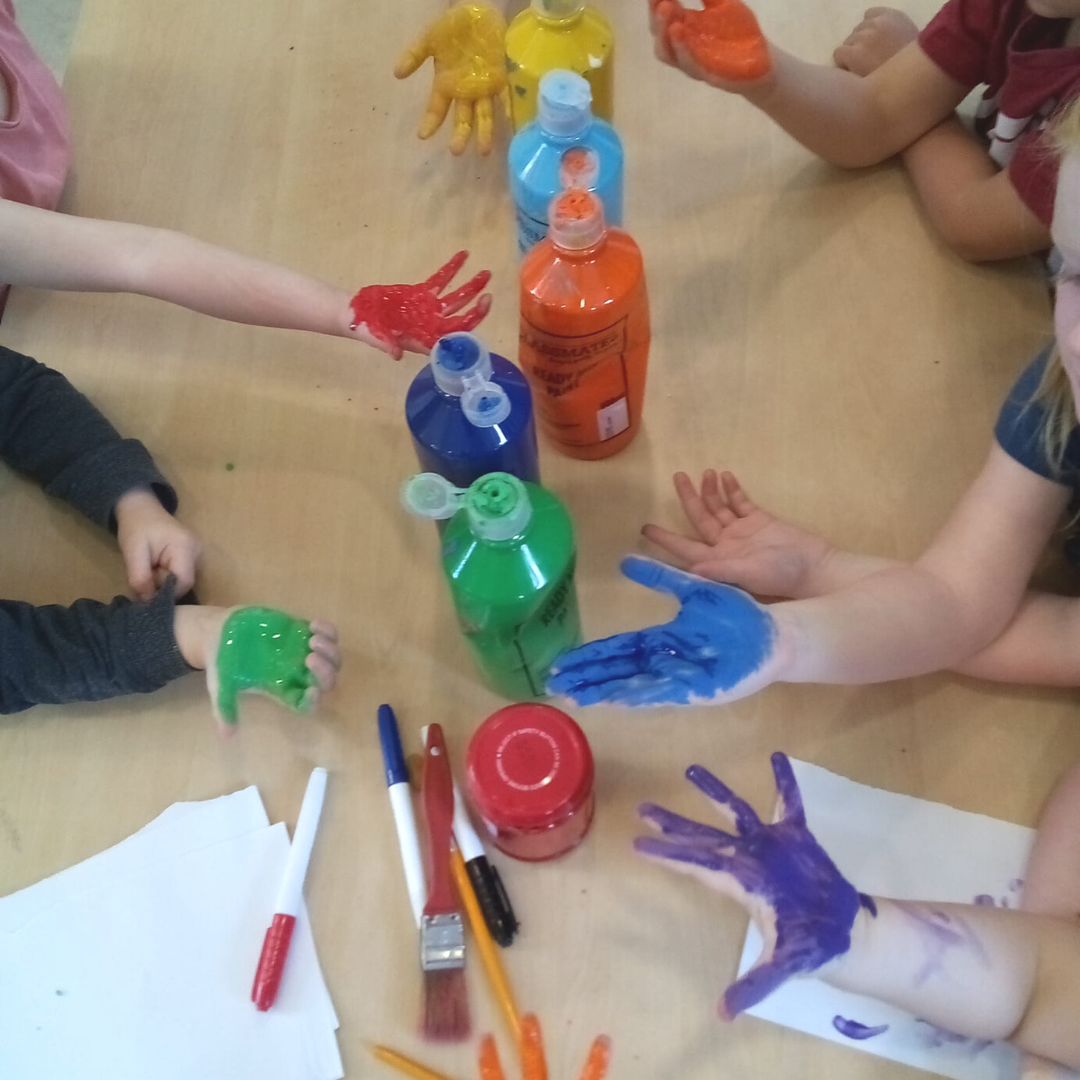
<point x="442" y="930"/>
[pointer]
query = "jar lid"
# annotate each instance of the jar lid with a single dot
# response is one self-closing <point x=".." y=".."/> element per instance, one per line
<point x="528" y="766"/>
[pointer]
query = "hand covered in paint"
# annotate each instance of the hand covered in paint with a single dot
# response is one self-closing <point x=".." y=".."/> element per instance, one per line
<point x="882" y="33"/>
<point x="721" y="646"/>
<point x="800" y="902"/>
<point x="737" y="542"/>
<point x="468" y="45"/>
<point x="154" y="545"/>
<point x="411" y="318"/>
<point x="263" y="651"/>
<point x="533" y="1062"/>
<point x="721" y="44"/>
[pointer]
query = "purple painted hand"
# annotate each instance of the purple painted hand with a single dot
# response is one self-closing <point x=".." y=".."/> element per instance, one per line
<point x="800" y="902"/>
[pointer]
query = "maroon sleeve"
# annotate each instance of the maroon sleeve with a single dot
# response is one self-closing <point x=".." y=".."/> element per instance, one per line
<point x="958" y="39"/>
<point x="1033" y="171"/>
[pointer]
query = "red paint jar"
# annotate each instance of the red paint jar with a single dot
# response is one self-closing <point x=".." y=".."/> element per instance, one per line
<point x="530" y="774"/>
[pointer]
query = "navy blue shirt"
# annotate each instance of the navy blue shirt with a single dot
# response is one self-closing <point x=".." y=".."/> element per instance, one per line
<point x="1020" y="426"/>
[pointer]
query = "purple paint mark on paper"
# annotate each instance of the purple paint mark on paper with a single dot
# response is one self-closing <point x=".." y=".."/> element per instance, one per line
<point x="852" y="1029"/>
<point x="1016" y="884"/>
<point x="984" y="900"/>
<point x="935" y="1038"/>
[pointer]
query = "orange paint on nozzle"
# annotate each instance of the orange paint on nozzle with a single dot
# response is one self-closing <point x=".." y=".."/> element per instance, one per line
<point x="585" y="329"/>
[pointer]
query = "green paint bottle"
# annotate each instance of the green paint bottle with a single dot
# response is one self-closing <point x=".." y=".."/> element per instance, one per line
<point x="508" y="555"/>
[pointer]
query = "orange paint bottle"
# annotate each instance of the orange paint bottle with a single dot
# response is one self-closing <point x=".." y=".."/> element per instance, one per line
<point x="585" y="329"/>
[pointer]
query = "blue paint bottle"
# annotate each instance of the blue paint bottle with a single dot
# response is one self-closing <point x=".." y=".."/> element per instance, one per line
<point x="565" y="147"/>
<point x="470" y="413"/>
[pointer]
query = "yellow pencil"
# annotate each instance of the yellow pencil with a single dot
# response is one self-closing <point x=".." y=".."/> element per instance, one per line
<point x="406" y="1065"/>
<point x="489" y="954"/>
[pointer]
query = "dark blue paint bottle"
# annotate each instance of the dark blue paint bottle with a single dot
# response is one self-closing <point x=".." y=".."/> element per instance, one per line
<point x="470" y="413"/>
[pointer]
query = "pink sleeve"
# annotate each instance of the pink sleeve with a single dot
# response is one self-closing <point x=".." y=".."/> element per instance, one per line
<point x="958" y="39"/>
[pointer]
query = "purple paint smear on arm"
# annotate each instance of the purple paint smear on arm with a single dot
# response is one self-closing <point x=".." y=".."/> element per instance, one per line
<point x="852" y="1029"/>
<point x="940" y="933"/>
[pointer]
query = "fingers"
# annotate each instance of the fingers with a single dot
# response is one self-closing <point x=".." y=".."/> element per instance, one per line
<point x="659" y="576"/>
<point x="697" y="513"/>
<point x="682" y="547"/>
<point x="596" y="1065"/>
<point x="324" y="670"/>
<point x="490" y="1066"/>
<point x="463" y="125"/>
<point x="678" y="827"/>
<point x="413" y="57"/>
<point x="456" y="300"/>
<point x="730" y="806"/>
<point x="787" y="787"/>
<point x="470" y="319"/>
<point x="504" y="97"/>
<point x="735" y="496"/>
<point x="181" y="561"/>
<point x="437" y="107"/>
<point x="533" y="1062"/>
<point x="662" y="13"/>
<point x="756" y="985"/>
<point x="485" y="126"/>
<point x="140" y="575"/>
<point x="445" y="274"/>
<point x="690" y="858"/>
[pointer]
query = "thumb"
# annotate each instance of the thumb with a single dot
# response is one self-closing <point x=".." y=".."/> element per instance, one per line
<point x="756" y="985"/>
<point x="139" y="570"/>
<point x="413" y="57"/>
<point x="179" y="560"/>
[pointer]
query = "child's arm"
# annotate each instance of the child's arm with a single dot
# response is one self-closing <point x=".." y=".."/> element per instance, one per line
<point x="898" y="622"/>
<point x="53" y="434"/>
<point x="980" y="972"/>
<point x="49" y="250"/>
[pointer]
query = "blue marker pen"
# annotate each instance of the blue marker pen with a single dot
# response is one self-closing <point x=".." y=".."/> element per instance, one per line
<point x="397" y="780"/>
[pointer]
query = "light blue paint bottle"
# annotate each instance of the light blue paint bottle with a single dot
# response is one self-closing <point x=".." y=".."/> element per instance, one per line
<point x="566" y="146"/>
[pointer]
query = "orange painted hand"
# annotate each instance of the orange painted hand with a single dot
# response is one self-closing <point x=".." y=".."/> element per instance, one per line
<point x="721" y="44"/>
<point x="468" y="46"/>
<point x="533" y="1062"/>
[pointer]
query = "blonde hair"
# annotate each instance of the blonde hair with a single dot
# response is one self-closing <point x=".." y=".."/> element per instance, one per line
<point x="1054" y="392"/>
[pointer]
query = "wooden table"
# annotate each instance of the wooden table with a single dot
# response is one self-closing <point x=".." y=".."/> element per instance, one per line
<point x="809" y="332"/>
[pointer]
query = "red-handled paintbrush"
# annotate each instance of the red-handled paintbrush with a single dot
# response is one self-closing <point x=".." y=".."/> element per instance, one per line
<point x="442" y="931"/>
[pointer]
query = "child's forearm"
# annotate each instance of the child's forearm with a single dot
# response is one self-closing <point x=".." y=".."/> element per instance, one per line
<point x="970" y="202"/>
<point x="981" y="972"/>
<point x="854" y="121"/>
<point x="49" y="250"/>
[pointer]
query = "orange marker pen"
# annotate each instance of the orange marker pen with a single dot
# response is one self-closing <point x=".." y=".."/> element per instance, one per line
<point x="584" y="344"/>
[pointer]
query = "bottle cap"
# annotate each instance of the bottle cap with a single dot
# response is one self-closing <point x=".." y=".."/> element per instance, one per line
<point x="455" y="357"/>
<point x="577" y="220"/>
<point x="529" y="767"/>
<point x="484" y="403"/>
<point x="557" y="9"/>
<point x="432" y="496"/>
<point x="498" y="507"/>
<point x="563" y="103"/>
<point x="579" y="167"/>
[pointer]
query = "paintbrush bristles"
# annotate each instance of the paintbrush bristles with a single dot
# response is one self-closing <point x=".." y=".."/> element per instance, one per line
<point x="446" y="1005"/>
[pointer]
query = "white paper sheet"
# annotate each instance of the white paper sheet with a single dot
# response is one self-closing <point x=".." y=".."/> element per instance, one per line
<point x="907" y="848"/>
<point x="139" y="961"/>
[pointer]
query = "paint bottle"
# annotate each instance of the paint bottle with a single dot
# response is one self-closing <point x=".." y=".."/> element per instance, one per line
<point x="566" y="34"/>
<point x="529" y="773"/>
<point x="470" y="413"/>
<point x="508" y="556"/>
<point x="585" y="330"/>
<point x="565" y="147"/>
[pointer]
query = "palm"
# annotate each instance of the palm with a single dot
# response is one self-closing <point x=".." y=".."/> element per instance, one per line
<point x="719" y="647"/>
<point x="803" y="905"/>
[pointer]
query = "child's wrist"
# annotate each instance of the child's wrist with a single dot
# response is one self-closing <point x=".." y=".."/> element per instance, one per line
<point x="136" y="501"/>
<point x="838" y="970"/>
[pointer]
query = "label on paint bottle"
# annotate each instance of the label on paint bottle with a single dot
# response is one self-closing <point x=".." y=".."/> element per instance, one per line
<point x="530" y="231"/>
<point x="553" y="630"/>
<point x="591" y="367"/>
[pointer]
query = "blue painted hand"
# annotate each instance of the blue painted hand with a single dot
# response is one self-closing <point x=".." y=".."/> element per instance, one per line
<point x="722" y="645"/>
<point x="801" y="903"/>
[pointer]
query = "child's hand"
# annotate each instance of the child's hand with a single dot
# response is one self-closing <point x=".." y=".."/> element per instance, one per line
<point x="154" y="545"/>
<point x="721" y="45"/>
<point x="721" y="646"/>
<point x="467" y="44"/>
<point x="738" y="542"/>
<point x="533" y="1062"/>
<point x="261" y="651"/>
<point x="400" y="318"/>
<point x="882" y="33"/>
<point x="803" y="906"/>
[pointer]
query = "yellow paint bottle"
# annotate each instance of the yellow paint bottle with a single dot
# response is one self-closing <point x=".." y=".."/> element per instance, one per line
<point x="567" y="34"/>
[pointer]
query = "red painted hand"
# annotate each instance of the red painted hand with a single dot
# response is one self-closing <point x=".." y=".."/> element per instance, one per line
<point x="411" y="318"/>
<point x="721" y="42"/>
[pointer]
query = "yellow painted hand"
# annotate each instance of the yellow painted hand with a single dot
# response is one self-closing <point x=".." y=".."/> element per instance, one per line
<point x="533" y="1063"/>
<point x="467" y="43"/>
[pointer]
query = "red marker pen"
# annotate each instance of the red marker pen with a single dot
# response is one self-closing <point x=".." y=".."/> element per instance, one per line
<point x="276" y="943"/>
